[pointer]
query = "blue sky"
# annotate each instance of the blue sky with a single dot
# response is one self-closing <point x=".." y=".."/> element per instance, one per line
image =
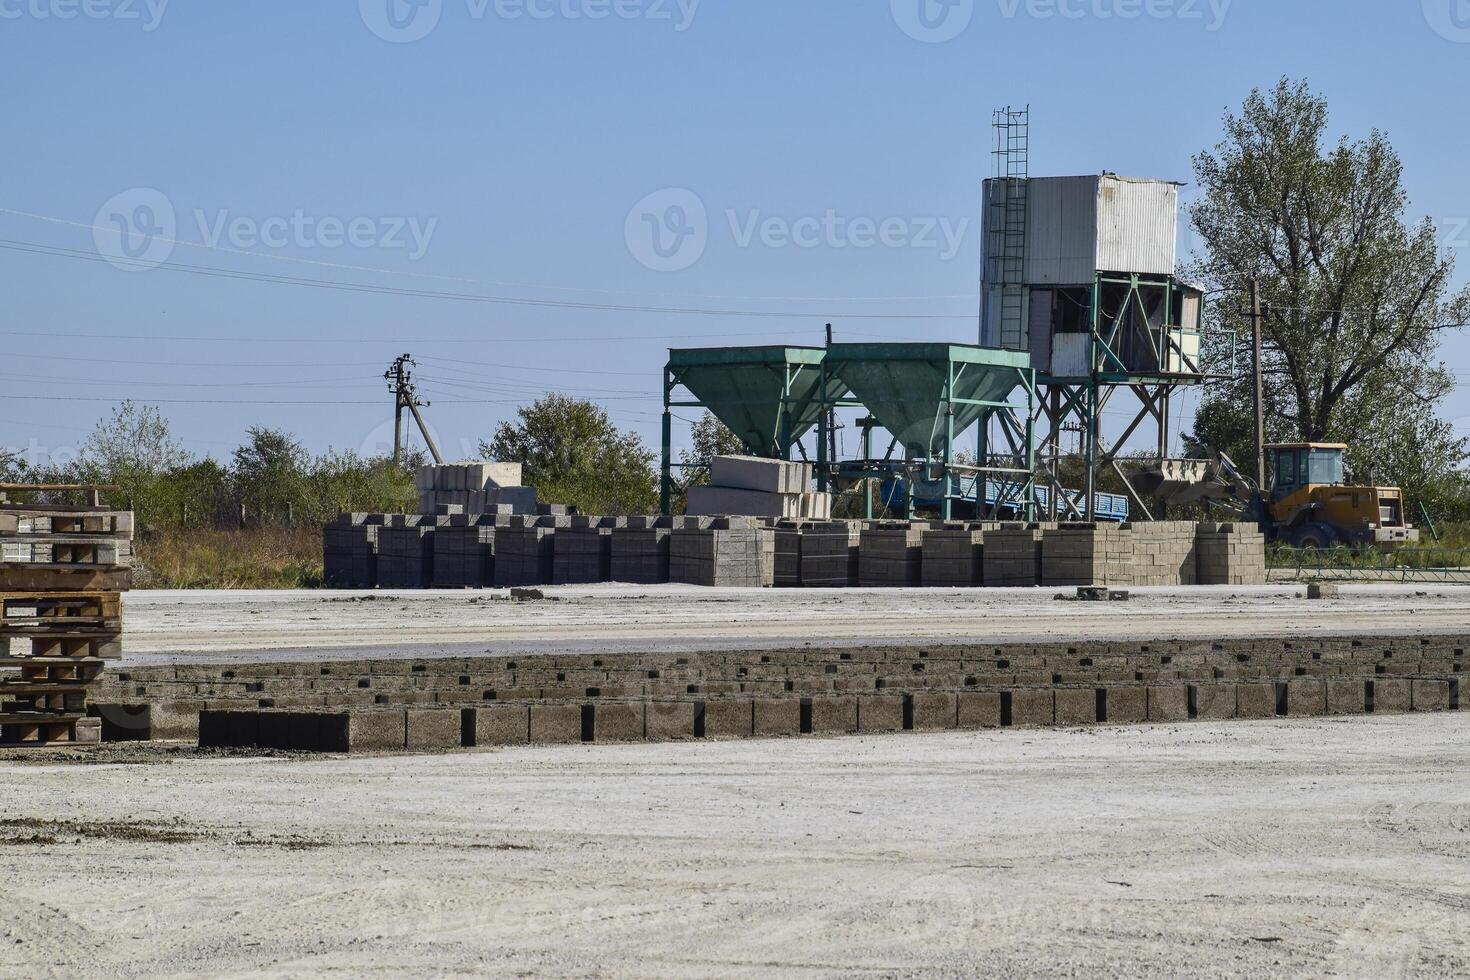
<point x="836" y="148"/>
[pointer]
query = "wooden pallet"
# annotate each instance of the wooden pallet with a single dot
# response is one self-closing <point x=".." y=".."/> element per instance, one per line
<point x="22" y="730"/>
<point x="98" y="644"/>
<point x="16" y="519"/>
<point x="51" y="579"/>
<point x="23" y="611"/>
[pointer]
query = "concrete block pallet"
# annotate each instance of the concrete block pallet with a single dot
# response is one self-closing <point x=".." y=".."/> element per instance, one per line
<point x="1087" y="554"/>
<point x="729" y="552"/>
<point x="61" y="617"/>
<point x="891" y="555"/>
<point x="953" y="556"/>
<point x="1012" y="556"/>
<point x="639" y="552"/>
<point x="582" y="553"/>
<point x="831" y="554"/>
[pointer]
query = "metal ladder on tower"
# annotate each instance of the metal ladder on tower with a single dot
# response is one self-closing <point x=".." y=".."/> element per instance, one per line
<point x="1008" y="221"/>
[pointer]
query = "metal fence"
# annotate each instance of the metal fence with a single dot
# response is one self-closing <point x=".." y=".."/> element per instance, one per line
<point x="1444" y="565"/>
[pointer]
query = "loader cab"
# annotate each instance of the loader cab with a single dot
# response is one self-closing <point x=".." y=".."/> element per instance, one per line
<point x="1303" y="465"/>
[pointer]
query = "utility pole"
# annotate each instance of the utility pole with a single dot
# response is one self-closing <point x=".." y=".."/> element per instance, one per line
<point x="405" y="396"/>
<point x="831" y="416"/>
<point x="1258" y="388"/>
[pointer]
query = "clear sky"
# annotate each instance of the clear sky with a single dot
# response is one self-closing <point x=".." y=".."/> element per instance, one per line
<point x="501" y="149"/>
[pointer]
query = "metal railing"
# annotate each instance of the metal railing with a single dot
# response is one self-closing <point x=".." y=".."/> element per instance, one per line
<point x="1441" y="565"/>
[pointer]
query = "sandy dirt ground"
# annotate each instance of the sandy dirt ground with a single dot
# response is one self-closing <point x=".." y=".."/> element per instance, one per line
<point x="1324" y="848"/>
<point x="182" y="626"/>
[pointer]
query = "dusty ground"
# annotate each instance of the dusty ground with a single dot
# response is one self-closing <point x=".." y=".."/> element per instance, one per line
<point x="322" y="625"/>
<point x="1329" y="848"/>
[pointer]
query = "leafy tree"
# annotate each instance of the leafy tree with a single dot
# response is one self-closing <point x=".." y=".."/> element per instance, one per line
<point x="341" y="482"/>
<point x="573" y="454"/>
<point x="270" y="473"/>
<point x="1357" y="299"/>
<point x="711" y="438"/>
<point x="134" y="450"/>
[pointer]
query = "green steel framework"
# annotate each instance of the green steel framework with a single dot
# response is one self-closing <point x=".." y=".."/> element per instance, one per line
<point x="803" y="386"/>
<point x="1083" y="399"/>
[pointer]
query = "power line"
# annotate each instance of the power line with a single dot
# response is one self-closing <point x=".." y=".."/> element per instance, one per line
<point x="217" y="273"/>
<point x="459" y="279"/>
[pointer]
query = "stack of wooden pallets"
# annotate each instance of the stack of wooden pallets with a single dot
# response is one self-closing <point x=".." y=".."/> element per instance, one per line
<point x="63" y="570"/>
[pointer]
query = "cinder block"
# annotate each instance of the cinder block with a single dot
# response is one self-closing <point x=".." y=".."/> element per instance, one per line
<point x="556" y="724"/>
<point x="213" y="729"/>
<point x="1431" y="695"/>
<point x="1255" y="700"/>
<point x="670" y="721"/>
<point x="834" y="716"/>
<point x="1032" y="707"/>
<point x="1346" y="695"/>
<point x="1392" y="695"/>
<point x="777" y="716"/>
<point x="242" y="729"/>
<point x="334" y="731"/>
<point x="1168" y="704"/>
<point x="1125" y="705"/>
<point x="501" y="724"/>
<point x="615" y="721"/>
<point x="378" y="731"/>
<point x="304" y="731"/>
<point x="174" y="720"/>
<point x="935" y="711"/>
<point x="433" y="729"/>
<point x="1076" y="706"/>
<point x="1306" y="697"/>
<point x="729" y="718"/>
<point x="1214" y="702"/>
<point x="879" y="713"/>
<point x="978" y="709"/>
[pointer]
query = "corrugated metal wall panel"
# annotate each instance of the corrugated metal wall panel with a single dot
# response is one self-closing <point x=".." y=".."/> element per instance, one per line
<point x="1040" y="318"/>
<point x="1137" y="226"/>
<point x="1061" y="235"/>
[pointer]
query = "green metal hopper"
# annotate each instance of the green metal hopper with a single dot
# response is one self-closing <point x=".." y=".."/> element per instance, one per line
<point x="927" y="395"/>
<point x="768" y="396"/>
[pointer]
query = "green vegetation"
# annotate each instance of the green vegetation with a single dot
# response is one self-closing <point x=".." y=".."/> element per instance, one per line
<point x="1356" y="299"/>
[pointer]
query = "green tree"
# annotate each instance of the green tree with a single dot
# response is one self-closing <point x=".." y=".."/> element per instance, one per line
<point x="1357" y="299"/>
<point x="573" y="454"/>
<point x="270" y="473"/>
<point x="134" y="450"/>
<point x="711" y="438"/>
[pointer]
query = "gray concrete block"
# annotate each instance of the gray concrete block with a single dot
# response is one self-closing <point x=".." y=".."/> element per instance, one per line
<point x="935" y="710"/>
<point x="670" y="721"/>
<point x="1126" y="705"/>
<point x="777" y="716"/>
<point x="433" y="729"/>
<point x="978" y="709"/>
<point x="880" y="713"/>
<point x="1255" y="700"/>
<point x="1168" y="704"/>
<point x="1346" y="695"/>
<point x="729" y="718"/>
<point x="501" y="724"/>
<point x="1032" y="707"/>
<point x="556" y="724"/>
<point x="274" y="730"/>
<point x="1431" y="695"/>
<point x="614" y="721"/>
<point x="1075" y="706"/>
<point x="378" y="730"/>
<point x="834" y="716"/>
<point x="1214" y="702"/>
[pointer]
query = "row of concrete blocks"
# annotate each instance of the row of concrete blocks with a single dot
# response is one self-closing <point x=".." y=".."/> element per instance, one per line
<point x="397" y="690"/>
<point x="509" y="724"/>
<point x="600" y="668"/>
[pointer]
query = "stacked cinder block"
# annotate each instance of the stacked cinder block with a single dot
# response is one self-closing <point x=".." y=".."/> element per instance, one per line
<point x="1231" y="554"/>
<point x="1087" y="554"/>
<point x="753" y="487"/>
<point x="582" y="553"/>
<point x="831" y="554"/>
<point x="473" y="488"/>
<point x="639" y="551"/>
<point x="525" y="551"/>
<point x="953" y="556"/>
<point x="1164" y="553"/>
<point x="786" y="538"/>
<point x="406" y="552"/>
<point x="724" y="551"/>
<point x="891" y="555"/>
<point x="464" y="552"/>
<point x="350" y="551"/>
<point x="1012" y="556"/>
